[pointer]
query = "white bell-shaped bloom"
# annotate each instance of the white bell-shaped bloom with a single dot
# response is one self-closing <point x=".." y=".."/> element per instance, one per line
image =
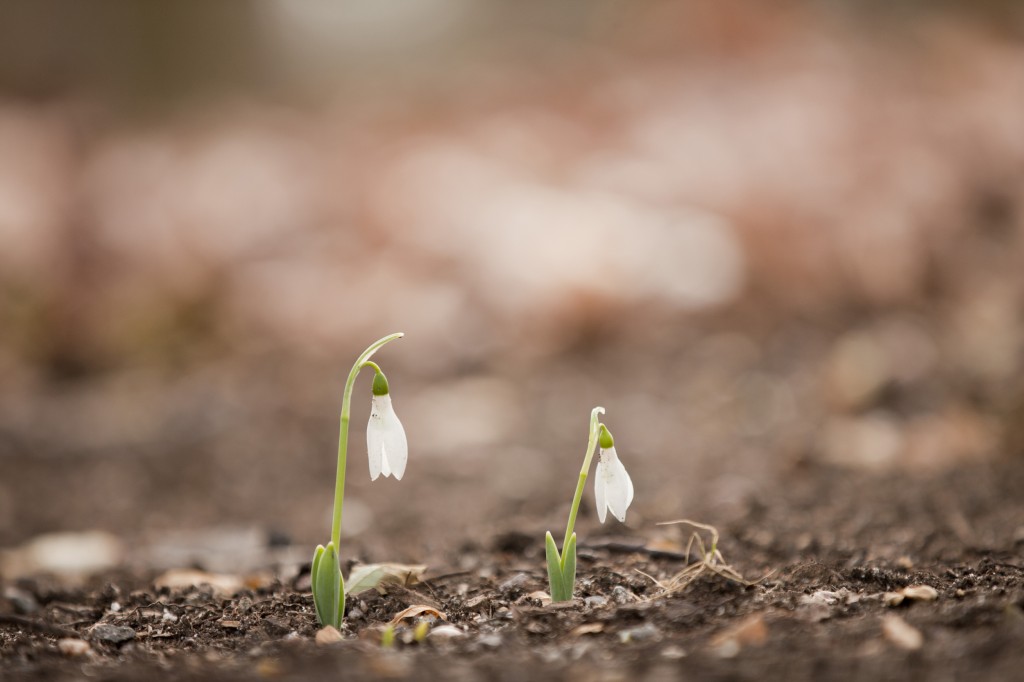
<point x="612" y="486"/>
<point x="385" y="440"/>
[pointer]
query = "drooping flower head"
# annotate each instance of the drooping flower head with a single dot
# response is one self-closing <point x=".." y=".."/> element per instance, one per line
<point x="613" y="488"/>
<point x="385" y="437"/>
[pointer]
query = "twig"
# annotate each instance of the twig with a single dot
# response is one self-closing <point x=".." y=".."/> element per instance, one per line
<point x="710" y="560"/>
<point x="628" y="548"/>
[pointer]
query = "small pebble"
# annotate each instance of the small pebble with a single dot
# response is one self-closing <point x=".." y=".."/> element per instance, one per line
<point x="328" y="635"/>
<point x="73" y="647"/>
<point x="277" y="624"/>
<point x="22" y="601"/>
<point x="114" y="634"/>
<point x="543" y="597"/>
<point x="492" y="641"/>
<point x="445" y="633"/>
<point x="901" y="633"/>
<point x="168" y="617"/>
<point x="516" y="582"/>
<point x="641" y="633"/>
<point x="595" y="601"/>
<point x="673" y="652"/>
<point x="268" y="668"/>
<point x="730" y="648"/>
<point x="620" y="595"/>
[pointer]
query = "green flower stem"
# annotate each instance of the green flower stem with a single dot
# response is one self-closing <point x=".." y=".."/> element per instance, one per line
<point x="346" y="411"/>
<point x="584" y="470"/>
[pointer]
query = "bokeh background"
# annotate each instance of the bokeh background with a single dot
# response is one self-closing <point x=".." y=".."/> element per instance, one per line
<point x="762" y="235"/>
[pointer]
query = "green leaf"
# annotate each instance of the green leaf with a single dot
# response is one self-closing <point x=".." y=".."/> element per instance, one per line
<point x="569" y="567"/>
<point x="555" y="577"/>
<point x="328" y="586"/>
<point x="314" y="570"/>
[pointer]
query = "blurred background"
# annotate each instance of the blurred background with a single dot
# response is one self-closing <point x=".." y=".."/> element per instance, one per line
<point x="762" y="235"/>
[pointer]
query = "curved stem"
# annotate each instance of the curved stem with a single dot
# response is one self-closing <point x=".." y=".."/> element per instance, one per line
<point x="346" y="409"/>
<point x="584" y="470"/>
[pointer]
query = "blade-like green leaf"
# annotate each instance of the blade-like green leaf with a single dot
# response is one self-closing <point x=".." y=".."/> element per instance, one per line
<point x="569" y="567"/>
<point x="555" y="578"/>
<point x="328" y="587"/>
<point x="314" y="570"/>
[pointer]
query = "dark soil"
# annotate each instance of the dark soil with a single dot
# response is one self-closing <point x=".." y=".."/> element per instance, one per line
<point x="820" y="554"/>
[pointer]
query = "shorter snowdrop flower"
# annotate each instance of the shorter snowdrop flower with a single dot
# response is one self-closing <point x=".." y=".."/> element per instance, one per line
<point x="385" y="437"/>
<point x="613" y="491"/>
<point x="613" y="488"/>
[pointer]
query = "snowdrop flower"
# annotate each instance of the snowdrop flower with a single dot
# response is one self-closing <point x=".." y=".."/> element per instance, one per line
<point x="613" y="488"/>
<point x="385" y="436"/>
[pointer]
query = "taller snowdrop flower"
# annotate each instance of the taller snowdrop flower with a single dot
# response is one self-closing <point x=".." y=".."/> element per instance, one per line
<point x="613" y="490"/>
<point x="385" y="436"/>
<point x="385" y="439"/>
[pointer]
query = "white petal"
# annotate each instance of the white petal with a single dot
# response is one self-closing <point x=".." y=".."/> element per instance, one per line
<point x="396" y="446"/>
<point x="619" y="493"/>
<point x="385" y="466"/>
<point x="375" y="437"/>
<point x="600" y="485"/>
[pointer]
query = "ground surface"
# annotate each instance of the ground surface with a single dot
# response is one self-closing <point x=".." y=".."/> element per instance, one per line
<point x="827" y="551"/>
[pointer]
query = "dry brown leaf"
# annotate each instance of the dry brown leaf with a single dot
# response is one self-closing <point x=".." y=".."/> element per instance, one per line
<point x="369" y="576"/>
<point x="417" y="610"/>
<point x="587" y="629"/>
<point x="920" y="593"/>
<point x="751" y="631"/>
<point x="913" y="593"/>
<point x="893" y="598"/>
